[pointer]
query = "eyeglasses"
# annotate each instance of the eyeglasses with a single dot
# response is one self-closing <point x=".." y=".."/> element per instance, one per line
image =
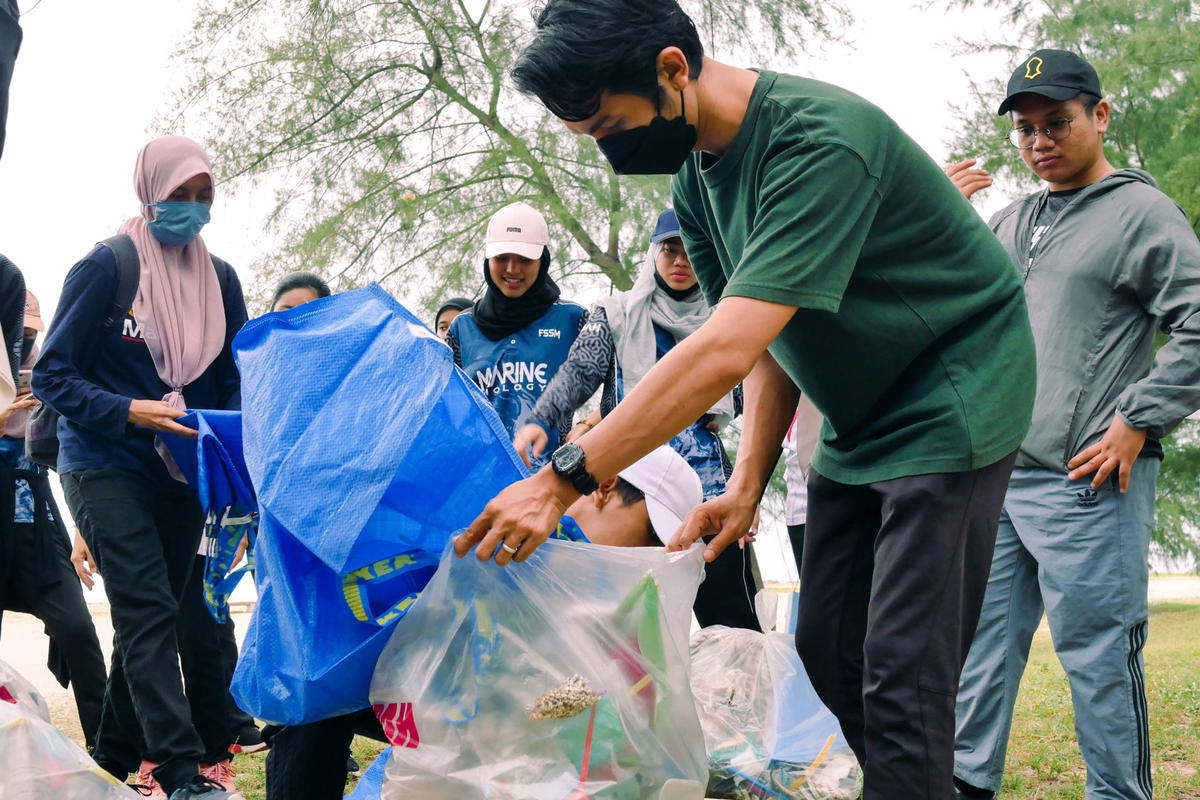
<point x="1055" y="130"/>
<point x="673" y="251"/>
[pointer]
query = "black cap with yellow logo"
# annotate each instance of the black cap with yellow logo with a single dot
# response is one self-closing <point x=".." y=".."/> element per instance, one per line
<point x="1057" y="74"/>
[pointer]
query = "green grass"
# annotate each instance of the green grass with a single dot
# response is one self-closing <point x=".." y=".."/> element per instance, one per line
<point x="1043" y="758"/>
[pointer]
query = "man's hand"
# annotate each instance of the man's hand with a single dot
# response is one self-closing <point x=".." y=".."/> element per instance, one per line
<point x="159" y="416"/>
<point x="81" y="558"/>
<point x="731" y="516"/>
<point x="24" y="402"/>
<point x="521" y="517"/>
<point x="1118" y="450"/>
<point x="752" y="535"/>
<point x="968" y="180"/>
<point x="530" y="436"/>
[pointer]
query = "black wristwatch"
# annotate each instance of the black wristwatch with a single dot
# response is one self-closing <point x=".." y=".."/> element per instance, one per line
<point x="569" y="462"/>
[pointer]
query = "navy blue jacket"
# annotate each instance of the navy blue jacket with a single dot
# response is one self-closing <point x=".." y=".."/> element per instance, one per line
<point x="90" y="376"/>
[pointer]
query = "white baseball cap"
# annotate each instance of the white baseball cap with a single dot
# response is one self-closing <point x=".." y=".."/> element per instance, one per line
<point x="671" y="486"/>
<point x="517" y="228"/>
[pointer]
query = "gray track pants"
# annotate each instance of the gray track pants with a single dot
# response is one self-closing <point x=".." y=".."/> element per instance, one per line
<point x="1082" y="555"/>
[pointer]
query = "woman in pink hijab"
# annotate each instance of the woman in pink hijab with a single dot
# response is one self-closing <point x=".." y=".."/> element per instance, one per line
<point x="119" y="366"/>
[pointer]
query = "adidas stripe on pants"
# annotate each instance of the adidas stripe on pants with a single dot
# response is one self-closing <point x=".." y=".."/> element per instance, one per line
<point x="1081" y="554"/>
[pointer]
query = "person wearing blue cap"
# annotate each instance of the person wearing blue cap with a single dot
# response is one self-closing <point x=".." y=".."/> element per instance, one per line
<point x="625" y="335"/>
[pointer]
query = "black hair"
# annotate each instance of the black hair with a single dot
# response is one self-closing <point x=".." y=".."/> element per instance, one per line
<point x="456" y="303"/>
<point x="301" y="280"/>
<point x="629" y="494"/>
<point x="1090" y="101"/>
<point x="632" y="495"/>
<point x="585" y="47"/>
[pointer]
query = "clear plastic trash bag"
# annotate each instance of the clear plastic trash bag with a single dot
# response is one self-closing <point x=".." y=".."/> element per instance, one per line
<point x="564" y="677"/>
<point x="767" y="733"/>
<point x="38" y="761"/>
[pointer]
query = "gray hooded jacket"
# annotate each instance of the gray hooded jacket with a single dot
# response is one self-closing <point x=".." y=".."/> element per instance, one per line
<point x="1119" y="262"/>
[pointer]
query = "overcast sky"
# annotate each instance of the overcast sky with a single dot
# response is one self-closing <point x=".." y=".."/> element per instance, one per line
<point x="93" y="75"/>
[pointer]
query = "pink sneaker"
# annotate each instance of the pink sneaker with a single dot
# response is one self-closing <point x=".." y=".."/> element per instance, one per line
<point x="222" y="772"/>
<point x="146" y="785"/>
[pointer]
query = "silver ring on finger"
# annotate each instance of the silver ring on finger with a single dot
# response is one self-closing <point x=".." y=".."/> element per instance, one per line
<point x="512" y="551"/>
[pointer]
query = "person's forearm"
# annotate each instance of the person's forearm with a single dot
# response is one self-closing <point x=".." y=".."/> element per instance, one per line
<point x="771" y="398"/>
<point x="684" y="384"/>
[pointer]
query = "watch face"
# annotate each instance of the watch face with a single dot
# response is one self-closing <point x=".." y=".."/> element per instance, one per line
<point x="568" y="457"/>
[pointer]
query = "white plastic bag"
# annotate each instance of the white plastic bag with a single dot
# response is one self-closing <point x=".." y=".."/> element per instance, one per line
<point x="766" y="731"/>
<point x="38" y="761"/>
<point x="561" y="678"/>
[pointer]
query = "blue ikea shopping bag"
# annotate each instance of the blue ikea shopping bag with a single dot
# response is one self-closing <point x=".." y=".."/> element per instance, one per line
<point x="368" y="450"/>
<point x="213" y="463"/>
<point x="214" y="466"/>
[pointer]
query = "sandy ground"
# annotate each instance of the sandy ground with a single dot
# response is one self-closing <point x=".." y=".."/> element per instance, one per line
<point x="23" y="644"/>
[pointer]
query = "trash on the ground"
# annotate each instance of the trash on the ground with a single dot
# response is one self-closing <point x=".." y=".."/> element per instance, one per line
<point x="38" y="761"/>
<point x="767" y="733"/>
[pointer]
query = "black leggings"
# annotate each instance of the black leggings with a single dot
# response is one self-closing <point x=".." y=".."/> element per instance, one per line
<point x="726" y="597"/>
<point x="308" y="762"/>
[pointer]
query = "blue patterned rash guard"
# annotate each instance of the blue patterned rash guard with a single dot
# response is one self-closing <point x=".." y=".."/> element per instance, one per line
<point x="514" y="371"/>
<point x="12" y="456"/>
<point x="592" y="364"/>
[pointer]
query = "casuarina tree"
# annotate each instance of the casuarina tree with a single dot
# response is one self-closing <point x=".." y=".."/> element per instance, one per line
<point x="390" y="132"/>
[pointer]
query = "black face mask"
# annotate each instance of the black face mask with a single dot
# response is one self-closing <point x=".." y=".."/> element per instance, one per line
<point x="27" y="348"/>
<point x="659" y="148"/>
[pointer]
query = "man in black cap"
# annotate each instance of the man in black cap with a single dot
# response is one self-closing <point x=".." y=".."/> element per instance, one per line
<point x="1107" y="261"/>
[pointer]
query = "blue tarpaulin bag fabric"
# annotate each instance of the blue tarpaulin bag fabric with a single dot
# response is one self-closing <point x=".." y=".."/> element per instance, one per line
<point x="368" y="450"/>
<point x="213" y="464"/>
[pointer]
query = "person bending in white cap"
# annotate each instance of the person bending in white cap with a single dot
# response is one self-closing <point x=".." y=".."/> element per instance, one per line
<point x="643" y="505"/>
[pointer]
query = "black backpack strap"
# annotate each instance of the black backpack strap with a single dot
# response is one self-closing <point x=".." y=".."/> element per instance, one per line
<point x="129" y="273"/>
<point x="224" y="271"/>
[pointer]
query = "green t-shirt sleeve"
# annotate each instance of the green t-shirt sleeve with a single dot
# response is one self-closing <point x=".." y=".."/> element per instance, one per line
<point x="815" y="207"/>
<point x="701" y="253"/>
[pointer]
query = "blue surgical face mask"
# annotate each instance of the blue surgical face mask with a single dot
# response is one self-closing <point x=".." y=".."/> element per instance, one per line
<point x="177" y="224"/>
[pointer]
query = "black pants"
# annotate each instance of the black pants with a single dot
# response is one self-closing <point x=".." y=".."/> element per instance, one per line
<point x="796" y="536"/>
<point x="144" y="534"/>
<point x="203" y="647"/>
<point x="893" y="580"/>
<point x="726" y="597"/>
<point x="308" y="762"/>
<point x="39" y="579"/>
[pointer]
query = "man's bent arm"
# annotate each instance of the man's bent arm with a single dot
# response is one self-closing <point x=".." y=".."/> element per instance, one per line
<point x="674" y="394"/>
<point x="771" y="399"/>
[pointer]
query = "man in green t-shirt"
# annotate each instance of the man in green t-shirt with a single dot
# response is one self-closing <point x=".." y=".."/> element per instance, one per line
<point x="847" y="265"/>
